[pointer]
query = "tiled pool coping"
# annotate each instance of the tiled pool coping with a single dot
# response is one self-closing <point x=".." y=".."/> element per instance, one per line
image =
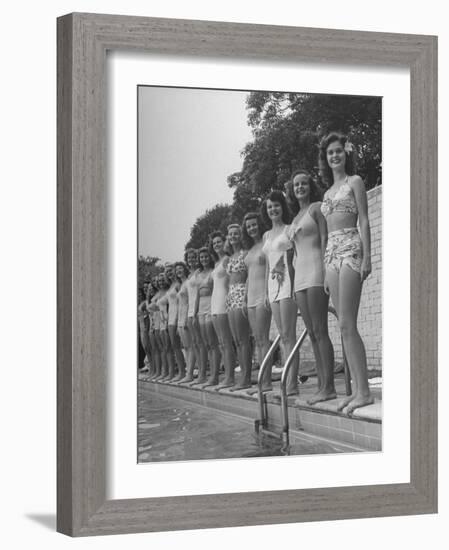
<point x="363" y="429"/>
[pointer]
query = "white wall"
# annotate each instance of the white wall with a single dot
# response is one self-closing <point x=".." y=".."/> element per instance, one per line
<point x="28" y="145"/>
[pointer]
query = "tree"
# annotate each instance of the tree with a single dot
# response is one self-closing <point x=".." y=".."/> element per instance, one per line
<point x="217" y="217"/>
<point x="287" y="128"/>
<point x="146" y="268"/>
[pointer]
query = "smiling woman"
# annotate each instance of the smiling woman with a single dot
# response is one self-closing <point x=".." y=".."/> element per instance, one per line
<point x="255" y="288"/>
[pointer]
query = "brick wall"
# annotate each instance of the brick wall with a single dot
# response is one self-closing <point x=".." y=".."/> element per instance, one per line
<point x="370" y="312"/>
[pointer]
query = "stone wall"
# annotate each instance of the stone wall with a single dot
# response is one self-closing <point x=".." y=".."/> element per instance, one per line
<point x="370" y="312"/>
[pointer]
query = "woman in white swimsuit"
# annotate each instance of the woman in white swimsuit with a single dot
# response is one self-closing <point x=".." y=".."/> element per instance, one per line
<point x="218" y="306"/>
<point x="308" y="233"/>
<point x="347" y="258"/>
<point x="182" y="273"/>
<point x="208" y="335"/>
<point x="259" y="313"/>
<point x="153" y="329"/>
<point x="200" y="352"/>
<point x="163" y="303"/>
<point x="236" y="305"/>
<point x="279" y="277"/>
<point x="158" y="306"/>
<point x="174" y="351"/>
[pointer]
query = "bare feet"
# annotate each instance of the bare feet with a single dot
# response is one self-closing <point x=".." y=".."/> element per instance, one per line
<point x="210" y="383"/>
<point x="225" y="384"/>
<point x="344" y="402"/>
<point x="357" y="402"/>
<point x="186" y="379"/>
<point x="321" y="396"/>
<point x="199" y="381"/>
<point x="265" y="388"/>
<point x="239" y="387"/>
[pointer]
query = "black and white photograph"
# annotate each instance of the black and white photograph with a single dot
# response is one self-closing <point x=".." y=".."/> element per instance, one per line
<point x="259" y="273"/>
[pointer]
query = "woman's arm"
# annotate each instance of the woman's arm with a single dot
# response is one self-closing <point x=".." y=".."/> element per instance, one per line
<point x="320" y="220"/>
<point x="197" y="296"/>
<point x="291" y="269"/>
<point x="358" y="188"/>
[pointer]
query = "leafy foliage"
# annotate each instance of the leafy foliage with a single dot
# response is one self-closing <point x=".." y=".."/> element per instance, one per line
<point x="218" y="217"/>
<point x="146" y="268"/>
<point x="287" y="128"/>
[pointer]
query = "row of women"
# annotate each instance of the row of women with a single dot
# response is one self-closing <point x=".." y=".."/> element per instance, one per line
<point x="293" y="254"/>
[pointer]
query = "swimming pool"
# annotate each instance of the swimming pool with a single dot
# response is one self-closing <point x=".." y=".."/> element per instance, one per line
<point x="171" y="429"/>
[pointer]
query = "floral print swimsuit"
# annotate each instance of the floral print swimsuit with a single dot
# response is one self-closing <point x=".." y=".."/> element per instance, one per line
<point x="344" y="246"/>
<point x="275" y="249"/>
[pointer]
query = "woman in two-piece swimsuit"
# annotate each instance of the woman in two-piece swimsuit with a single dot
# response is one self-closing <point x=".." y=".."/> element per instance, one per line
<point x="208" y="335"/>
<point x="172" y="326"/>
<point x="220" y="319"/>
<point x="236" y="306"/>
<point x="259" y="313"/>
<point x="347" y="258"/>
<point x="182" y="273"/>
<point x="308" y="232"/>
<point x="279" y="277"/>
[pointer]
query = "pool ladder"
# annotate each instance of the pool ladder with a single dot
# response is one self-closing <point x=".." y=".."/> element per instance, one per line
<point x="261" y="424"/>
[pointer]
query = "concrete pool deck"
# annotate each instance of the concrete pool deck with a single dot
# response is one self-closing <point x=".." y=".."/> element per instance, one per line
<point x="362" y="429"/>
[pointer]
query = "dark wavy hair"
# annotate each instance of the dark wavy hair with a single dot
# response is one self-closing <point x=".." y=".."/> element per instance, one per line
<point x="325" y="170"/>
<point x="205" y="250"/>
<point x="315" y="191"/>
<point x="248" y="241"/>
<point x="212" y="236"/>
<point x="185" y="268"/>
<point x="275" y="196"/>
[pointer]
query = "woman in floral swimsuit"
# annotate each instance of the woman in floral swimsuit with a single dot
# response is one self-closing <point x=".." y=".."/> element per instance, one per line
<point x="236" y="305"/>
<point x="348" y="254"/>
<point x="279" y="277"/>
<point x="220" y="318"/>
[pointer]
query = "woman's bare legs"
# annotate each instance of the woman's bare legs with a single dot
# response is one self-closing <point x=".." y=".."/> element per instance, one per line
<point x="170" y="358"/>
<point x="201" y="352"/>
<point x="284" y="313"/>
<point x="259" y="319"/>
<point x="346" y="287"/>
<point x="187" y="341"/>
<point x="238" y="322"/>
<point x="224" y="335"/>
<point x="160" y="343"/>
<point x="145" y="341"/>
<point x="176" y="347"/>
<point x="213" y="351"/>
<point x="156" y="355"/>
<point x="313" y="304"/>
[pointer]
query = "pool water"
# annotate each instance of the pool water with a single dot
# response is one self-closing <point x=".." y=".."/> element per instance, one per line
<point x="171" y="429"/>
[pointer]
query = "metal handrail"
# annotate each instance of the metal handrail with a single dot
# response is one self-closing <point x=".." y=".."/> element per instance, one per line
<point x="262" y="369"/>
<point x="285" y="371"/>
<point x="284" y="401"/>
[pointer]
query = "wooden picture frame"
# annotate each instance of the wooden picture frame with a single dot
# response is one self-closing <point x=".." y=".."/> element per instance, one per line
<point x="83" y="40"/>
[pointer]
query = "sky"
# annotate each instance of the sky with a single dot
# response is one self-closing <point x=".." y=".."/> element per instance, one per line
<point x="189" y="142"/>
